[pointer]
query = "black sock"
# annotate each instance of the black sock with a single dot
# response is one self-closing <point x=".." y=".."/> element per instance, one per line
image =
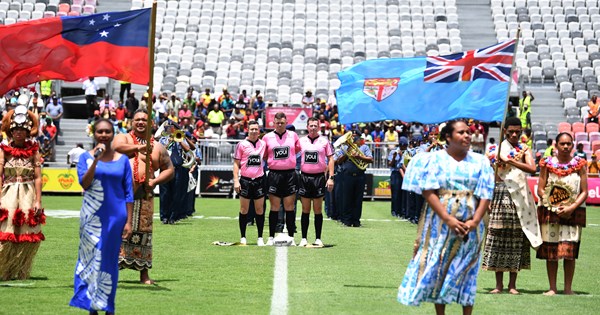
<point x="290" y="222"/>
<point x="304" y="222"/>
<point x="260" y="223"/>
<point x="318" y="225"/>
<point x="242" y="221"/>
<point x="272" y="223"/>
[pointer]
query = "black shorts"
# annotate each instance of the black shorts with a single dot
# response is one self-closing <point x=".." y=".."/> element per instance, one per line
<point x="283" y="183"/>
<point x="252" y="188"/>
<point x="312" y="185"/>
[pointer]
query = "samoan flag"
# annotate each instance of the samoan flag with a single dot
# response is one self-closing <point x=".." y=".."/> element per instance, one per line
<point x="110" y="44"/>
<point x="472" y="84"/>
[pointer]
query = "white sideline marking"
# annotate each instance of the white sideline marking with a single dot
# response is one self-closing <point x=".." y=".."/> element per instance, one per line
<point x="279" y="300"/>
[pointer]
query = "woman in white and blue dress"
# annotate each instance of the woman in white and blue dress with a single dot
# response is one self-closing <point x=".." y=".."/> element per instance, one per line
<point x="457" y="185"/>
<point x="105" y="219"/>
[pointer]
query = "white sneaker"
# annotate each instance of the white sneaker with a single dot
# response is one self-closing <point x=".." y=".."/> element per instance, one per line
<point x="292" y="243"/>
<point x="260" y="242"/>
<point x="270" y="241"/>
<point x="318" y="242"/>
<point x="243" y="241"/>
<point x="303" y="242"/>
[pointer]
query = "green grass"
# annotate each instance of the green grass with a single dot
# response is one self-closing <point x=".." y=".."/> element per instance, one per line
<point x="358" y="275"/>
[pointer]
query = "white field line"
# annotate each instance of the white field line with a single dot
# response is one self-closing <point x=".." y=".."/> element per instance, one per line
<point x="279" y="300"/>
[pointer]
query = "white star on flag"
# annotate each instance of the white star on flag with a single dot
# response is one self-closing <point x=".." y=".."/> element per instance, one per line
<point x="104" y="34"/>
<point x="92" y="22"/>
<point x="105" y="17"/>
<point x="117" y="25"/>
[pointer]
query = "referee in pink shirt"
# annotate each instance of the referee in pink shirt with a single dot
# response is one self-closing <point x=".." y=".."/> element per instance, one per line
<point x="282" y="146"/>
<point x="247" y="162"/>
<point x="317" y="159"/>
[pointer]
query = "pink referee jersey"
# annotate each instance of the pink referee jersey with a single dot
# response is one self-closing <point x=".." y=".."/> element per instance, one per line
<point x="314" y="154"/>
<point x="250" y="156"/>
<point x="281" y="150"/>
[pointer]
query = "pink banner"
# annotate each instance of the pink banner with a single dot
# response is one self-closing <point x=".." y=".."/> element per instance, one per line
<point x="297" y="116"/>
<point x="593" y="189"/>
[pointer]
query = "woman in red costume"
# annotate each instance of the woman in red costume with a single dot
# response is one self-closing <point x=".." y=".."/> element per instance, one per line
<point x="21" y="212"/>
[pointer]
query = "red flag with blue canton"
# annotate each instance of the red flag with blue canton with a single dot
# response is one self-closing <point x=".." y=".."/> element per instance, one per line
<point x="109" y="44"/>
<point x="472" y="84"/>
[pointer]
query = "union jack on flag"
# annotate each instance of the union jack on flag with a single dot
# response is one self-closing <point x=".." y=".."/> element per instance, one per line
<point x="492" y="63"/>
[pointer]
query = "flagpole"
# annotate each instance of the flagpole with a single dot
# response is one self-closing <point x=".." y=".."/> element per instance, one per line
<point x="507" y="102"/>
<point x="151" y="44"/>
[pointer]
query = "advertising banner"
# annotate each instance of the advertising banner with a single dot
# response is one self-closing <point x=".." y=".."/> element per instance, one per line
<point x="381" y="187"/>
<point x="217" y="182"/>
<point x="593" y="189"/>
<point x="60" y="180"/>
<point x="296" y="116"/>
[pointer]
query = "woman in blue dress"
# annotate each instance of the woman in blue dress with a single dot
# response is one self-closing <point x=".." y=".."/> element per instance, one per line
<point x="105" y="219"/>
<point x="457" y="185"/>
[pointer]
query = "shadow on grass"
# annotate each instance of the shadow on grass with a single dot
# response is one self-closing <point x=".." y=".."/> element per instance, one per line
<point x="135" y="285"/>
<point x="529" y="292"/>
<point x="368" y="286"/>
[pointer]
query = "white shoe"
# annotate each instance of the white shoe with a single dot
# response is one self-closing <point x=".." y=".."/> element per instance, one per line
<point x="270" y="241"/>
<point x="303" y="242"/>
<point x="260" y="242"/>
<point x="318" y="242"/>
<point x="243" y="241"/>
<point x="292" y="243"/>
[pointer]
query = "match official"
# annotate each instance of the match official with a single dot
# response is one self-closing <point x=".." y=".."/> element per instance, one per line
<point x="317" y="158"/>
<point x="247" y="162"/>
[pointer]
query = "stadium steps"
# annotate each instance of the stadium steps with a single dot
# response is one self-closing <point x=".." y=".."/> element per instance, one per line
<point x="73" y="132"/>
<point x="113" y="5"/>
<point x="547" y="106"/>
<point x="475" y="24"/>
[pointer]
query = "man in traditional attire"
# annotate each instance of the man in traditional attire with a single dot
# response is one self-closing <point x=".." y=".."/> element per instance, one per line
<point x="513" y="225"/>
<point x="136" y="252"/>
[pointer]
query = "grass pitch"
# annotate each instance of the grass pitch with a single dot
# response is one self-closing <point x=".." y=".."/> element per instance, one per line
<point x="360" y="274"/>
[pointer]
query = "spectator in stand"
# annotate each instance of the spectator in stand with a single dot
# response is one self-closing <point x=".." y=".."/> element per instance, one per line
<point x="237" y="115"/>
<point x="107" y="103"/>
<point x="36" y="104"/>
<point x="254" y="97"/>
<point x="489" y="145"/>
<point x="593" y="167"/>
<point x="215" y="119"/>
<point x="527" y="139"/>
<point x="174" y="103"/>
<point x="91" y="92"/>
<point x="324" y="132"/>
<point x="416" y="131"/>
<point x="131" y="104"/>
<point x="159" y="109"/>
<point x="525" y="117"/>
<point x="323" y="120"/>
<point x="184" y="112"/>
<point x="579" y="152"/>
<point x="226" y="102"/>
<point x="172" y="116"/>
<point x="190" y="102"/>
<point x="308" y="100"/>
<point x="125" y="87"/>
<point x="121" y="112"/>
<point x="477" y="142"/>
<point x="593" y="105"/>
<point x="46" y="150"/>
<point x="550" y="149"/>
<point x="366" y="135"/>
<point x="231" y="129"/>
<point x="186" y="125"/>
<point x="46" y="90"/>
<point x="244" y="99"/>
<point x="55" y="111"/>
<point x="199" y="131"/>
<point x="206" y="99"/>
<point x="525" y="102"/>
<point x="391" y="136"/>
<point x="74" y="154"/>
<point x="50" y="130"/>
<point x="105" y="113"/>
<point x="259" y="104"/>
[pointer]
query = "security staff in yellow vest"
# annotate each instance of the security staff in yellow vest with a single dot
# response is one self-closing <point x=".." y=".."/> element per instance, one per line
<point x="46" y="90"/>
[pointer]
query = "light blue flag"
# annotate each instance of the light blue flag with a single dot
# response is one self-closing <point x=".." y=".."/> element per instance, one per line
<point x="472" y="84"/>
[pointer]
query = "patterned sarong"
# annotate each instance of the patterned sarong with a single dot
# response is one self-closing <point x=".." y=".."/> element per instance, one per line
<point x="506" y="246"/>
<point x="136" y="253"/>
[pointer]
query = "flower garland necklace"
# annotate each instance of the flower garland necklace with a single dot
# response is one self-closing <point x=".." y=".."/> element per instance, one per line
<point x="136" y="160"/>
<point x="27" y="151"/>
<point x="563" y="169"/>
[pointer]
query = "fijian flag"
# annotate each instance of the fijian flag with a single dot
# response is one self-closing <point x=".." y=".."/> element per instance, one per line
<point x="493" y="63"/>
<point x="472" y="84"/>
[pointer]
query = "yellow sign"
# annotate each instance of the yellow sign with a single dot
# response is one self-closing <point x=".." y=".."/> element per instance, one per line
<point x="60" y="180"/>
